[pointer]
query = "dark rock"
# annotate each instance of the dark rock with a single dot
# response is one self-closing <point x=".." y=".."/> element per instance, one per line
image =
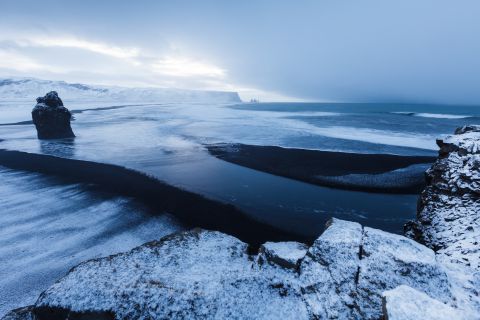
<point x="51" y="118"/>
<point x="25" y="313"/>
<point x="468" y="128"/>
<point x="61" y="314"/>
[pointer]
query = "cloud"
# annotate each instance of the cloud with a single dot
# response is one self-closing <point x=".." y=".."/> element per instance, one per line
<point x="73" y="42"/>
<point x="92" y="61"/>
<point x="168" y="65"/>
<point x="184" y="67"/>
<point x="12" y="60"/>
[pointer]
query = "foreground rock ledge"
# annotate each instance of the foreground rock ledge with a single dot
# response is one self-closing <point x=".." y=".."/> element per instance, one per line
<point x="207" y="274"/>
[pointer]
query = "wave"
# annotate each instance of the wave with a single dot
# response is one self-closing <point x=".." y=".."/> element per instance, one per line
<point x="385" y="137"/>
<point x="286" y="114"/>
<point x="375" y="136"/>
<point x="434" y="115"/>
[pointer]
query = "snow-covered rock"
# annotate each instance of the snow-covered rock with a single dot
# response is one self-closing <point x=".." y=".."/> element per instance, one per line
<point x="207" y="274"/>
<point x="330" y="269"/>
<point x="284" y="254"/>
<point x="388" y="260"/>
<point x="448" y="219"/>
<point x="406" y="303"/>
<point x="193" y="275"/>
<point x="26" y="88"/>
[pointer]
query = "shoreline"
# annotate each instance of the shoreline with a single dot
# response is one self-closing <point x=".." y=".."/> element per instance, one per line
<point x="377" y="173"/>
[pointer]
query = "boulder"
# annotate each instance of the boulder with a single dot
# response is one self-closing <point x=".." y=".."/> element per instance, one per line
<point x="329" y="271"/>
<point x="388" y="260"/>
<point x="406" y="303"/>
<point x="51" y="118"/>
<point x="192" y="275"/>
<point x="284" y="254"/>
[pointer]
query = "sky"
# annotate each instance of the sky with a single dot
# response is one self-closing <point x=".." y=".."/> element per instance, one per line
<point x="408" y="51"/>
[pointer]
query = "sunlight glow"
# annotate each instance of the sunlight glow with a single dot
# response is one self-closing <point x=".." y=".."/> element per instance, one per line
<point x="14" y="61"/>
<point x="183" y="67"/>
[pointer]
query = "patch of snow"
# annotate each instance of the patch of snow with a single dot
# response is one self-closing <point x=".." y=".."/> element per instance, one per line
<point x="285" y="254"/>
<point x="406" y="303"/>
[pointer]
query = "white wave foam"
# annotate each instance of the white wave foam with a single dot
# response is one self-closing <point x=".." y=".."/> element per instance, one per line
<point x="284" y="114"/>
<point x="434" y="115"/>
<point x="386" y="137"/>
<point x="279" y="125"/>
<point x="442" y="116"/>
<point x="379" y="137"/>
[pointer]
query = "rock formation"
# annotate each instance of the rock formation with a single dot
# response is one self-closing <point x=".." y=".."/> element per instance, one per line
<point x="448" y="218"/>
<point x="51" y="118"/>
<point x="207" y="274"/>
<point x="405" y="303"/>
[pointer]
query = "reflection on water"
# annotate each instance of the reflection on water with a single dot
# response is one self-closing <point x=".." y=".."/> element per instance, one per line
<point x="289" y="204"/>
<point x="59" y="147"/>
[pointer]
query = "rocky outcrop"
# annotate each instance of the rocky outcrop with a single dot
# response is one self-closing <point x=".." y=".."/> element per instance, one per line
<point x="448" y="219"/>
<point x="207" y="274"/>
<point x="51" y="118"/>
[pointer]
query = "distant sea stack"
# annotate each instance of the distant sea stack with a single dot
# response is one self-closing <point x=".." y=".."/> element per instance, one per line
<point x="51" y="118"/>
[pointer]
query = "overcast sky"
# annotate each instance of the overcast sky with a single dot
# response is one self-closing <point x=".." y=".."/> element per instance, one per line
<point x="380" y="51"/>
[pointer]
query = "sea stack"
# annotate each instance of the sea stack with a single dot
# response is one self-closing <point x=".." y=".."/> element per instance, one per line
<point x="51" y="118"/>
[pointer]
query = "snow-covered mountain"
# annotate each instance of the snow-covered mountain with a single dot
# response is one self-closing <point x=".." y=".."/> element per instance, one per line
<point x="30" y="88"/>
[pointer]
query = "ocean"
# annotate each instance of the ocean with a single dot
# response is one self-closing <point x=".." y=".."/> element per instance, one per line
<point x="406" y="129"/>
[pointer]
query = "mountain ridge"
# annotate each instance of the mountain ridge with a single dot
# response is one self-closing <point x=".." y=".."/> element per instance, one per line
<point x="12" y="88"/>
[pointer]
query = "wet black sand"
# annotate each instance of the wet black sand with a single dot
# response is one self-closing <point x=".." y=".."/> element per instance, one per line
<point x="383" y="173"/>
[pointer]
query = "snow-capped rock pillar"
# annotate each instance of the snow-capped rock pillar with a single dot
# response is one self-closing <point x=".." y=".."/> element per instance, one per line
<point x="51" y="118"/>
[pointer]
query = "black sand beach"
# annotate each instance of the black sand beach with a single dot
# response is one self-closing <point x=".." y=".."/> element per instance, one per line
<point x="383" y="173"/>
